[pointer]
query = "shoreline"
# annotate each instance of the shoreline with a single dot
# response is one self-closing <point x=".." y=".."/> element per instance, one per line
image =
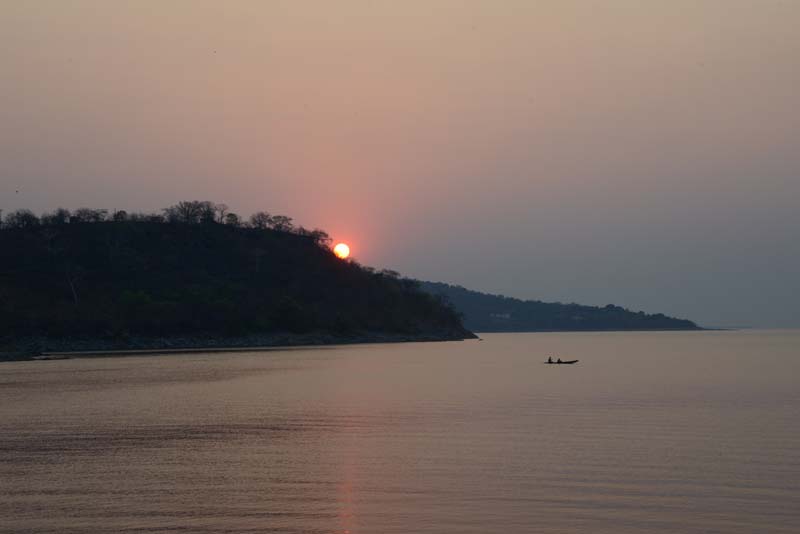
<point x="45" y="349"/>
<point x="599" y="330"/>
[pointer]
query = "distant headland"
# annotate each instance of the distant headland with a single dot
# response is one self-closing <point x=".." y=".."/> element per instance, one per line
<point x="482" y="312"/>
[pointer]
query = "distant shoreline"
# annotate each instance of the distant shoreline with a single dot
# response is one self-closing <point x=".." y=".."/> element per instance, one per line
<point x="596" y="330"/>
<point x="43" y="349"/>
<point x="46" y="349"/>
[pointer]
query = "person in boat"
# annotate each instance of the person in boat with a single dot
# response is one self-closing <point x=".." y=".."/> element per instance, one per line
<point x="558" y="360"/>
<point x="549" y="359"/>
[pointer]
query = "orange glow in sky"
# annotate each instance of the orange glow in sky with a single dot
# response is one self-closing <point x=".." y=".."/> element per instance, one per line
<point x="341" y="250"/>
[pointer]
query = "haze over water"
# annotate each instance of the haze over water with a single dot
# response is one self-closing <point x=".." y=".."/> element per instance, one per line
<point x="650" y="432"/>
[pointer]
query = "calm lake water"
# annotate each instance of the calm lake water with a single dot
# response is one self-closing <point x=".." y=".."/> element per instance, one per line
<point x="650" y="432"/>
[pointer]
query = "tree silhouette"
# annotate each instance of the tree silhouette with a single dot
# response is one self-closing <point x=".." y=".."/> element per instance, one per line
<point x="192" y="273"/>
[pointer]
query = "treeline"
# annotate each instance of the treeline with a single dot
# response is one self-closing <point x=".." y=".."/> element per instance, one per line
<point x="195" y="269"/>
<point x="186" y="212"/>
<point x="483" y="312"/>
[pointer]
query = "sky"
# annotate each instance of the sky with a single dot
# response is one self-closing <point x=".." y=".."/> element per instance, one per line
<point x="642" y="153"/>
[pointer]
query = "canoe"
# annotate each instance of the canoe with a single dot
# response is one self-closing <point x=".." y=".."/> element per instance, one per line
<point x="567" y="362"/>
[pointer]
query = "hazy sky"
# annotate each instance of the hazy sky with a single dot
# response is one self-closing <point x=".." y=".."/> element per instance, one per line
<point x="645" y="153"/>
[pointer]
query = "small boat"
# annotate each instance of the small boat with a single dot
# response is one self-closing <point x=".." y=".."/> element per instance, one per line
<point x="567" y="362"/>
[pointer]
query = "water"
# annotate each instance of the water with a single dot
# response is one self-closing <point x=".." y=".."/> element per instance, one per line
<point x="650" y="432"/>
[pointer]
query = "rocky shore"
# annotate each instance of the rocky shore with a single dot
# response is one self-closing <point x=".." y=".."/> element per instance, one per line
<point x="45" y="348"/>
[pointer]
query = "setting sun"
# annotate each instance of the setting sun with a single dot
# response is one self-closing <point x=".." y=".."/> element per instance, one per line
<point x="341" y="250"/>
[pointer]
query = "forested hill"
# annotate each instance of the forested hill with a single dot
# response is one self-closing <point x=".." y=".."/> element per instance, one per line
<point x="494" y="313"/>
<point x="195" y="270"/>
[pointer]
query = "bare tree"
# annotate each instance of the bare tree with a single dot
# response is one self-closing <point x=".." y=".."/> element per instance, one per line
<point x="58" y="217"/>
<point x="208" y="212"/>
<point x="221" y="211"/>
<point x="189" y="212"/>
<point x="89" y="215"/>
<point x="21" y="219"/>
<point x="261" y="220"/>
<point x="281" y="223"/>
<point x="321" y="237"/>
<point x="231" y="219"/>
<point x="73" y="273"/>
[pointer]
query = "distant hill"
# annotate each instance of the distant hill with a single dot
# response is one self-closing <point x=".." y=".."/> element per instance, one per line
<point x="495" y="313"/>
<point x="197" y="274"/>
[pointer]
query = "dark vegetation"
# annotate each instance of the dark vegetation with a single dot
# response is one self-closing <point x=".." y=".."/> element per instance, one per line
<point x="496" y="313"/>
<point x="194" y="270"/>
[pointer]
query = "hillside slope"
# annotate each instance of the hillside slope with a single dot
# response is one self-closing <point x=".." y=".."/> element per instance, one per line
<point x="495" y="313"/>
<point x="120" y="280"/>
